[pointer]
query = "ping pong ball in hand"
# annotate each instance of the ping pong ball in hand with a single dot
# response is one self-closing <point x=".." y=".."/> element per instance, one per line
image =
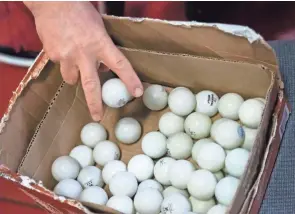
<point x="161" y="170"/>
<point x="65" y="167"/>
<point x="106" y="151"/>
<point x="207" y="103"/>
<point x="155" y="97"/>
<point x="154" y="145"/>
<point x="90" y="176"/>
<point x="123" y="183"/>
<point x="181" y="101"/>
<point x="148" y="201"/>
<point x="179" y="145"/>
<point x="250" y="113"/>
<point x="229" y="134"/>
<point x="69" y="188"/>
<point x="202" y="184"/>
<point x="111" y="168"/>
<point x="128" y="130"/>
<point x="171" y="123"/>
<point x="226" y="189"/>
<point x="229" y="105"/>
<point x="82" y="154"/>
<point x="123" y="204"/>
<point x="236" y="162"/>
<point x="115" y="93"/>
<point x="142" y="166"/>
<point x="180" y="173"/>
<point x="197" y="125"/>
<point x="92" y="133"/>
<point x="95" y="195"/>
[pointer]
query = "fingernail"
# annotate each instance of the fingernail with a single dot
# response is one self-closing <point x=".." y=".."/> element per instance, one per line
<point x="138" y="92"/>
<point x="96" y="117"/>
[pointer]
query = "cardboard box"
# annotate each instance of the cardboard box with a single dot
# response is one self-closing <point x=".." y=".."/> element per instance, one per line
<point x="45" y="115"/>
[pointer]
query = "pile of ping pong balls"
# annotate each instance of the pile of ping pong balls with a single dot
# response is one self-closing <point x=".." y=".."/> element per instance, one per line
<point x="191" y="164"/>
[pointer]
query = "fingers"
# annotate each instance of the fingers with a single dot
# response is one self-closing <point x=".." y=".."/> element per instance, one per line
<point x="69" y="72"/>
<point x="118" y="63"/>
<point x="91" y="86"/>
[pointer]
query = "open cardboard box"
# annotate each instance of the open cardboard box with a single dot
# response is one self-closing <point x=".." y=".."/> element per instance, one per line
<point x="45" y="115"/>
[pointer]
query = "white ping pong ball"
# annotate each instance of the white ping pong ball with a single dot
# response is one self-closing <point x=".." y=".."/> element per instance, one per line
<point x="211" y="157"/>
<point x="128" y="130"/>
<point x="155" y="97"/>
<point x="200" y="206"/>
<point x="142" y="166"/>
<point x="123" y="183"/>
<point x="215" y="125"/>
<point x="65" y="167"/>
<point x="82" y="154"/>
<point x="197" y="146"/>
<point x="229" y="134"/>
<point x="161" y="170"/>
<point x="92" y="133"/>
<point x="115" y="93"/>
<point x="172" y="190"/>
<point x="176" y="204"/>
<point x="90" y="176"/>
<point x="229" y="105"/>
<point x="154" y="144"/>
<point x="123" y="204"/>
<point x="111" y="168"/>
<point x="150" y="183"/>
<point x="250" y="113"/>
<point x="171" y="123"/>
<point x="226" y="189"/>
<point x="180" y="172"/>
<point x="69" y="188"/>
<point x="197" y="125"/>
<point x="181" y="101"/>
<point x="148" y="201"/>
<point x="207" y="103"/>
<point x="95" y="195"/>
<point x="218" y="175"/>
<point x="218" y="209"/>
<point x="106" y="151"/>
<point x="202" y="184"/>
<point x="179" y="146"/>
<point x="250" y="136"/>
<point x="236" y="162"/>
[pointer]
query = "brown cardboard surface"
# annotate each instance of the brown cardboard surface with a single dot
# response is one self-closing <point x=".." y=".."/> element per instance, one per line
<point x="174" y="56"/>
<point x="188" y="38"/>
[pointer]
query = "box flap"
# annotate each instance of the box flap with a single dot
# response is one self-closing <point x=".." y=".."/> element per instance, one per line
<point x="231" y="42"/>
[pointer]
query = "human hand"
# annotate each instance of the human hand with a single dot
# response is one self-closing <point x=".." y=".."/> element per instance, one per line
<point x="74" y="35"/>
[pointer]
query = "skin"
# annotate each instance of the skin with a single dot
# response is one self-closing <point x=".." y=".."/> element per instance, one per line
<point x="74" y="35"/>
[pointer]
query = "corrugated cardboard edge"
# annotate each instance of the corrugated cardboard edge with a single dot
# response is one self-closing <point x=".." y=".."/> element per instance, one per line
<point x="280" y="118"/>
<point x="29" y="183"/>
<point x="33" y="72"/>
<point x="236" y="30"/>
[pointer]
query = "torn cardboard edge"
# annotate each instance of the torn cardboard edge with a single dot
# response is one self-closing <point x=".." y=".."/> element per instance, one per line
<point x="32" y="73"/>
<point x="236" y="30"/>
<point x="29" y="183"/>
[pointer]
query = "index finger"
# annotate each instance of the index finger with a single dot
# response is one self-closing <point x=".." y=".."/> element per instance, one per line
<point x="118" y="63"/>
<point x="91" y="86"/>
